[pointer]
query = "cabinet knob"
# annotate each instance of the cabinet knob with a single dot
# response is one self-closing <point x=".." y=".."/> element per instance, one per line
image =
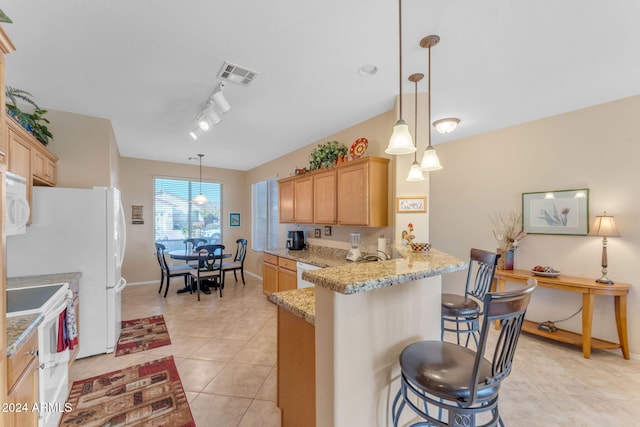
<point x="32" y="352"/>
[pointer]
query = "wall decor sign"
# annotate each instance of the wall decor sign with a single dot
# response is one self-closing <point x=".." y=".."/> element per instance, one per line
<point x="556" y="212"/>
<point x="136" y="214"/>
<point x="411" y="204"/>
<point x="234" y="219"/>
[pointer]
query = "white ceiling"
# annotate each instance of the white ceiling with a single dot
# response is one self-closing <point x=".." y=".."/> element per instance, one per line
<point x="149" y="65"/>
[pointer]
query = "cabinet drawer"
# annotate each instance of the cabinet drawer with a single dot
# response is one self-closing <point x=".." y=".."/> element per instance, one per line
<point x="270" y="259"/>
<point x="25" y="354"/>
<point x="287" y="264"/>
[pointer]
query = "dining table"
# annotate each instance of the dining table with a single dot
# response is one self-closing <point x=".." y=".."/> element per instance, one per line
<point x="189" y="255"/>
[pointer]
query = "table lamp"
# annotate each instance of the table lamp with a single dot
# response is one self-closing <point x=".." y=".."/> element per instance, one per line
<point x="604" y="226"/>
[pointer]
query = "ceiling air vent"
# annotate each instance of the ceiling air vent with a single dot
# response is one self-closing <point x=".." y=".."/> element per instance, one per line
<point x="237" y="74"/>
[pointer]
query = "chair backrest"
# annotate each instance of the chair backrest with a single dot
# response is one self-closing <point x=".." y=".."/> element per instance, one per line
<point x="213" y="260"/>
<point x="509" y="309"/>
<point x="160" y="248"/>
<point x="241" y="250"/>
<point x="193" y="242"/>
<point x="482" y="269"/>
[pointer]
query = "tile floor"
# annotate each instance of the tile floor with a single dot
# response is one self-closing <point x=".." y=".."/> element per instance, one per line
<point x="225" y="351"/>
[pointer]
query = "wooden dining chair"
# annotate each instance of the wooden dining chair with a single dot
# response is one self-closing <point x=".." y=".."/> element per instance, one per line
<point x="238" y="260"/>
<point x="210" y="267"/>
<point x="168" y="271"/>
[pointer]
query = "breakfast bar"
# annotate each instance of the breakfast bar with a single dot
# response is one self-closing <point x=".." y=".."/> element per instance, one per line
<point x="364" y="315"/>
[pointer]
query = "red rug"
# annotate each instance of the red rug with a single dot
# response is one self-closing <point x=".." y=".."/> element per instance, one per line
<point x="149" y="395"/>
<point x="142" y="334"/>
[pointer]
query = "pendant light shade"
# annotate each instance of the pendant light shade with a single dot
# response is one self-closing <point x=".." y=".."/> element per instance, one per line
<point x="430" y="161"/>
<point x="400" y="141"/>
<point x="200" y="199"/>
<point x="415" y="174"/>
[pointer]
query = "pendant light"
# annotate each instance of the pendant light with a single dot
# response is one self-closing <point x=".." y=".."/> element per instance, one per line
<point x="430" y="161"/>
<point x="415" y="173"/>
<point x="200" y="199"/>
<point x="400" y="141"/>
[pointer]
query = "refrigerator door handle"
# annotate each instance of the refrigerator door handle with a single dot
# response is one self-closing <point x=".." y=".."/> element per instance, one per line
<point x="123" y="234"/>
<point x="122" y="283"/>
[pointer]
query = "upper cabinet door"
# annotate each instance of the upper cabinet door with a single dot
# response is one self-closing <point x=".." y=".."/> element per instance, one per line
<point x="353" y="195"/>
<point x="325" y="206"/>
<point x="285" y="202"/>
<point x="303" y="200"/>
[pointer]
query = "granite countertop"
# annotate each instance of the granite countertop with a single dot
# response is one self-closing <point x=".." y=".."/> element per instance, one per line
<point x="42" y="280"/>
<point x="300" y="302"/>
<point x="367" y="276"/>
<point x="316" y="255"/>
<point x="20" y="329"/>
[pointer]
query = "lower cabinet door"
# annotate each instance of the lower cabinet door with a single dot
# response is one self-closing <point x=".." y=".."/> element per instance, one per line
<point x="23" y="396"/>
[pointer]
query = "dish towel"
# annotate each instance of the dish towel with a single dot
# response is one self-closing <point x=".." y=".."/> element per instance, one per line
<point x="72" y="326"/>
<point x="62" y="331"/>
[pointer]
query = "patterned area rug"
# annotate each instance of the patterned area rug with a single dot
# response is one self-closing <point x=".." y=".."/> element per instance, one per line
<point x="142" y="334"/>
<point x="149" y="395"/>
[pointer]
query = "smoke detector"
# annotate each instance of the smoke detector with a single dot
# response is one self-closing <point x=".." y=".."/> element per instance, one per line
<point x="237" y="74"/>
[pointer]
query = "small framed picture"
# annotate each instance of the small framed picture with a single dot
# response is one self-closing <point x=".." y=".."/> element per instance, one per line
<point x="411" y="204"/>
<point x="556" y="212"/>
<point x="234" y="219"/>
<point x="318" y="233"/>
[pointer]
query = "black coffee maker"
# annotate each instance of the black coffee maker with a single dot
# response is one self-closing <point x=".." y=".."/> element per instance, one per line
<point x="295" y="240"/>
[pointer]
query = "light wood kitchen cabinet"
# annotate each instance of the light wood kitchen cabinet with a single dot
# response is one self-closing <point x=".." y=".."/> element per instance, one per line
<point x="303" y="200"/>
<point x="28" y="158"/>
<point x="285" y="200"/>
<point x="287" y="274"/>
<point x="324" y="197"/>
<point x="44" y="167"/>
<point x="278" y="274"/>
<point x="362" y="192"/>
<point x="296" y="370"/>
<point x="22" y="384"/>
<point x="269" y="274"/>
<point x="353" y="193"/>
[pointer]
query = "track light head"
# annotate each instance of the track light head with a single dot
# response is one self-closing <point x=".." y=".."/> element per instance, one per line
<point x="219" y="99"/>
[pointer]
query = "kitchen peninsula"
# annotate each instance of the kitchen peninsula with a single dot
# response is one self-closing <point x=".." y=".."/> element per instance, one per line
<point x="364" y="315"/>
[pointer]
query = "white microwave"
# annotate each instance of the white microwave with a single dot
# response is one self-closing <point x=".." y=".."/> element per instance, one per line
<point x="17" y="206"/>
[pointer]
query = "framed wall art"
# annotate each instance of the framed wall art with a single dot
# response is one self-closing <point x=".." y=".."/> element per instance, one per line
<point x="556" y="212"/>
<point x="234" y="219"/>
<point x="411" y="204"/>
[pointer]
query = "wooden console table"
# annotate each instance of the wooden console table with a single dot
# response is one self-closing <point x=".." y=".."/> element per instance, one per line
<point x="588" y="288"/>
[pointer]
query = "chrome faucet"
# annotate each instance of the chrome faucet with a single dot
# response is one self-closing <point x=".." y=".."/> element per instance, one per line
<point x="386" y="255"/>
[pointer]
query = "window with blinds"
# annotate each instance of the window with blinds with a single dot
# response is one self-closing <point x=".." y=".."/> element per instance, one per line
<point x="264" y="211"/>
<point x="177" y="218"/>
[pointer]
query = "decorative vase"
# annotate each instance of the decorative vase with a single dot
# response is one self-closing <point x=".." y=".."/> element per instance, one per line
<point x="506" y="260"/>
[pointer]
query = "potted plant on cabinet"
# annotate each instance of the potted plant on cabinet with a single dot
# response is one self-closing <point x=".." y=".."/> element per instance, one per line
<point x="326" y="155"/>
<point x="33" y="122"/>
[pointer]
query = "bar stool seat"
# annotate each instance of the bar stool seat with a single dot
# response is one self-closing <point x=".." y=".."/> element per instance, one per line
<point x="458" y="305"/>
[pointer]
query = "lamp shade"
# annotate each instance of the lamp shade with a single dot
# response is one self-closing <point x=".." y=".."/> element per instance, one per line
<point x="446" y="125"/>
<point x="200" y="199"/>
<point x="604" y="226"/>
<point x="415" y="173"/>
<point x="430" y="161"/>
<point x="400" y="141"/>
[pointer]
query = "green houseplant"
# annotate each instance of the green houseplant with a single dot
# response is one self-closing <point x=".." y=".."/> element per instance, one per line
<point x="326" y="155"/>
<point x="34" y="122"/>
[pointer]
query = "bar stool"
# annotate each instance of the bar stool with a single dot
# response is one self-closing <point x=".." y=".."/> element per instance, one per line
<point x="450" y="385"/>
<point x="460" y="314"/>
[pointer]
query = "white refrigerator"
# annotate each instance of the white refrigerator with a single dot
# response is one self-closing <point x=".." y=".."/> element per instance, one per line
<point x="76" y="229"/>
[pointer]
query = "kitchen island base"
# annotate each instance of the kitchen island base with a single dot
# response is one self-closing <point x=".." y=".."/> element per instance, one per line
<point x="359" y="338"/>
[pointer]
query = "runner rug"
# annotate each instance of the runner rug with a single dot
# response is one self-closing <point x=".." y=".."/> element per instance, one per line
<point x="142" y="334"/>
<point x="149" y="395"/>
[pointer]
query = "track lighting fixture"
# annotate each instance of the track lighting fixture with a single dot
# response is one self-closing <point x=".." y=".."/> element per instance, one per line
<point x="219" y="99"/>
<point x="209" y="115"/>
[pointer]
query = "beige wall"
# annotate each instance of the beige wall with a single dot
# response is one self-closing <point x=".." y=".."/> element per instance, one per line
<point x="136" y="177"/>
<point x="596" y="148"/>
<point x="87" y="150"/>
